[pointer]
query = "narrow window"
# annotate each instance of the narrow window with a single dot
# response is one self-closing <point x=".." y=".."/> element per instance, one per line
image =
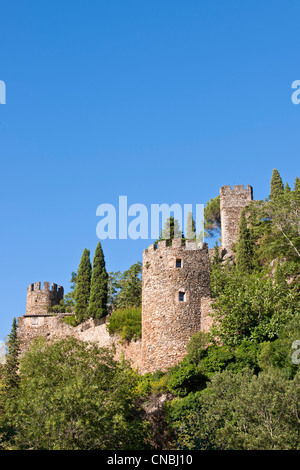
<point x="181" y="296"/>
<point x="178" y="263"/>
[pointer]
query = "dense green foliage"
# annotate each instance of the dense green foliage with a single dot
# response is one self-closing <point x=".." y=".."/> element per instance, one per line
<point x="127" y="323"/>
<point x="240" y="411"/>
<point x="238" y="386"/>
<point x="74" y="396"/>
<point x="11" y="378"/>
<point x="125" y="289"/>
<point x="244" y="255"/>
<point x="98" y="295"/>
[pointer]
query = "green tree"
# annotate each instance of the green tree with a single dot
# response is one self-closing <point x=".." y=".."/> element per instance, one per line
<point x="130" y="292"/>
<point x="75" y="396"/>
<point x="281" y="235"/>
<point x="113" y="288"/>
<point x="69" y="299"/>
<point x="127" y="323"/>
<point x="287" y="189"/>
<point x="244" y="249"/>
<point x="212" y="217"/>
<point x="11" y="376"/>
<point x="252" y="307"/>
<point x="240" y="411"/>
<point x="297" y="184"/>
<point x="83" y="287"/>
<point x="190" y="227"/>
<point x="277" y="188"/>
<point x="171" y="230"/>
<point x="9" y="385"/>
<point x="99" y="287"/>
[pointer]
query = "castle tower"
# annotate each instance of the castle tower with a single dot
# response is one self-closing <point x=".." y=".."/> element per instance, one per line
<point x="175" y="278"/>
<point x="38" y="299"/>
<point x="232" y="202"/>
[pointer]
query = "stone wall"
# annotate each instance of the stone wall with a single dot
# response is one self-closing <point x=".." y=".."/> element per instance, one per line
<point x="206" y="311"/>
<point x="52" y="327"/>
<point x="232" y="202"/>
<point x="167" y="321"/>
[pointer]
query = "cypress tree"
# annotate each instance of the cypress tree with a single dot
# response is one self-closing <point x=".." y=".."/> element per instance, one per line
<point x="171" y="230"/>
<point x="244" y="254"/>
<point x="287" y="189"/>
<point x="190" y="227"/>
<point x="297" y="184"/>
<point x="83" y="287"/>
<point x="99" y="285"/>
<point x="277" y="188"/>
<point x="216" y="257"/>
<point x="11" y="377"/>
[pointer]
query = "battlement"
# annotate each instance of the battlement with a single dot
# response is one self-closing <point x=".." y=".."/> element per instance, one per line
<point x="175" y="244"/>
<point x="37" y="287"/>
<point x="236" y="196"/>
<point x="40" y="297"/>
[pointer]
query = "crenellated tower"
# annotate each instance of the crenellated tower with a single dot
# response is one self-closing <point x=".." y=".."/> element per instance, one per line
<point x="232" y="202"/>
<point x="39" y="298"/>
<point x="175" y="279"/>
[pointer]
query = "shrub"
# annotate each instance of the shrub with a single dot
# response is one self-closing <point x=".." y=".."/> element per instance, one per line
<point x="70" y="320"/>
<point x="127" y="323"/>
<point x="185" y="379"/>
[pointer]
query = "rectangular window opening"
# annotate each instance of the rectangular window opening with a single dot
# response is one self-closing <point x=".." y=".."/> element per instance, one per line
<point x="181" y="296"/>
<point x="178" y="263"/>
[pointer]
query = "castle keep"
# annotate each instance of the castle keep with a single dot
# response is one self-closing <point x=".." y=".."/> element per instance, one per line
<point x="176" y="297"/>
<point x="38" y="299"/>
<point x="175" y="278"/>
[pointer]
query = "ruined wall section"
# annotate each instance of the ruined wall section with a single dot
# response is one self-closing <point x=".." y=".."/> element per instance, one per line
<point x="52" y="328"/>
<point x="171" y="300"/>
<point x="232" y="202"/>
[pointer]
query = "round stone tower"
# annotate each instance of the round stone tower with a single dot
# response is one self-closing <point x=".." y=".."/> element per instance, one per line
<point x="38" y="298"/>
<point x="175" y="278"/>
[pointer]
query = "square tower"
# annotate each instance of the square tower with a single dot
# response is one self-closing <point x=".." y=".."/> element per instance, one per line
<point x="232" y="202"/>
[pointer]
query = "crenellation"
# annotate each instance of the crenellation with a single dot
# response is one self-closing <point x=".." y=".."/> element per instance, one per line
<point x="40" y="299"/>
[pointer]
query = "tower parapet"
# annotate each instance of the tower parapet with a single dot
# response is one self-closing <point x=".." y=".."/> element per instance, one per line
<point x="39" y="298"/>
<point x="175" y="278"/>
<point x="232" y="202"/>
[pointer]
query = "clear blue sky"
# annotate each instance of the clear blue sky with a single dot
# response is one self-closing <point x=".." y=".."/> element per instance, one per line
<point x="162" y="101"/>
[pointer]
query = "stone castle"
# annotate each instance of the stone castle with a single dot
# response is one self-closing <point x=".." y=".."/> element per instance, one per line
<point x="176" y="297"/>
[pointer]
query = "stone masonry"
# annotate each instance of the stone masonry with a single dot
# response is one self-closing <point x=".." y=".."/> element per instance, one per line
<point x="38" y="298"/>
<point x="232" y="202"/>
<point x="175" y="278"/>
<point x="176" y="297"/>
